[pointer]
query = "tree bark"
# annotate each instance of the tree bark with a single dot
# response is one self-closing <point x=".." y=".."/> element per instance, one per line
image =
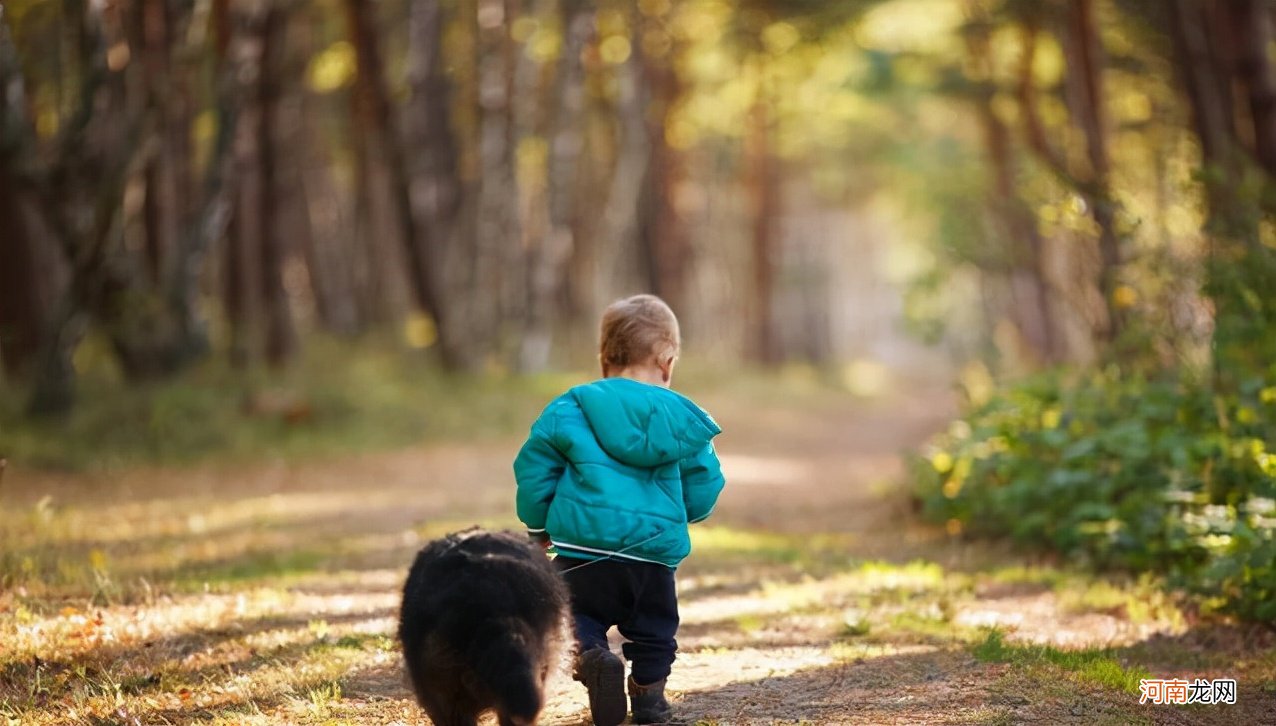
<point x="498" y="257"/>
<point x="619" y="232"/>
<point x="419" y="247"/>
<point x="281" y="338"/>
<point x="437" y="191"/>
<point x="764" y="200"/>
<point x="562" y="116"/>
<point x="663" y="235"/>
<point x="1251" y="28"/>
<point x="242" y="271"/>
<point x="1037" y="320"/>
<point x="1084" y="53"/>
<point x="22" y="301"/>
<point x="1237" y="258"/>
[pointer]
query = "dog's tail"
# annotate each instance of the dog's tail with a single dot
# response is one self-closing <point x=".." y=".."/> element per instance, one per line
<point x="507" y="658"/>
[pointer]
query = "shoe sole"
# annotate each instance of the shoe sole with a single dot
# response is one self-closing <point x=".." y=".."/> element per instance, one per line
<point x="607" y="703"/>
<point x="666" y="718"/>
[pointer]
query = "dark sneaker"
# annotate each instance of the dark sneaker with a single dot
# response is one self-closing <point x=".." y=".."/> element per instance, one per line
<point x="649" y="702"/>
<point x="603" y="673"/>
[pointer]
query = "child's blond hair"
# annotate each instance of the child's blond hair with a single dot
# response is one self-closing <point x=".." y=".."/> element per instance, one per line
<point x="636" y="330"/>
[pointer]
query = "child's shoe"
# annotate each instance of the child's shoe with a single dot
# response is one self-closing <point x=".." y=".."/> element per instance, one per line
<point x="603" y="673"/>
<point x="649" y="702"/>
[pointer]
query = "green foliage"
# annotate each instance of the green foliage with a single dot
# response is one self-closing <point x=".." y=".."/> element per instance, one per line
<point x="1146" y="475"/>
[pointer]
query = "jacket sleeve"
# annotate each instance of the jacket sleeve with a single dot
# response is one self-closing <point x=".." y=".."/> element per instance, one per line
<point x="702" y="481"/>
<point x="537" y="468"/>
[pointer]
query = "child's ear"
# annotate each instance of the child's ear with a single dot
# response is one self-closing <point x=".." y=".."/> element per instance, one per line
<point x="666" y="369"/>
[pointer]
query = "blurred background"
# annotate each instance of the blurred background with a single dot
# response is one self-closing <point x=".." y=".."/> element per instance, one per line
<point x="283" y="284"/>
<point x="1019" y="183"/>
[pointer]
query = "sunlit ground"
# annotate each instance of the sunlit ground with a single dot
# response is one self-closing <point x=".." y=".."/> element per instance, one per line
<point x="809" y="596"/>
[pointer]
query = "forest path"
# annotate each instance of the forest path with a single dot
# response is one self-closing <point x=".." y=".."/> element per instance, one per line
<point x="812" y="595"/>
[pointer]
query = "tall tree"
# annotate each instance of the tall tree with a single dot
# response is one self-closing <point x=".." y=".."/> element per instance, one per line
<point x="27" y="275"/>
<point x="257" y="304"/>
<point x="662" y="233"/>
<point x="1083" y="53"/>
<point x="374" y="101"/>
<point x="764" y="200"/>
<point x="1025" y="260"/>
<point x="496" y="246"/>
<point x="437" y="190"/>
<point x="1241" y="270"/>
<point x="561" y="121"/>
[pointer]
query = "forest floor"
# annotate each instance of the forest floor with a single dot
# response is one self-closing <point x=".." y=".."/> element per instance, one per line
<point x="268" y="592"/>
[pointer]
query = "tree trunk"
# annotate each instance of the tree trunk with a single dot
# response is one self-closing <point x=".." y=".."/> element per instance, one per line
<point x="281" y="338"/>
<point x="497" y="253"/>
<point x="1083" y="52"/>
<point x="619" y="232"/>
<point x="1236" y="256"/>
<point x="419" y="247"/>
<point x="562" y="124"/>
<point x="243" y="274"/>
<point x="663" y="236"/>
<point x="1251" y="27"/>
<point x="764" y="201"/>
<point x="437" y="190"/>
<point x="22" y="301"/>
<point x="1037" y="320"/>
<point x="319" y="213"/>
<point x="79" y="191"/>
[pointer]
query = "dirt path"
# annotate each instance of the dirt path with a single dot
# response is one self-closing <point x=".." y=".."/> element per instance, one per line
<point x="268" y="594"/>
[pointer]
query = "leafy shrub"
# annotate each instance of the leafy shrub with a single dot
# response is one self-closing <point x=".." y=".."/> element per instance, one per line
<point x="1146" y="475"/>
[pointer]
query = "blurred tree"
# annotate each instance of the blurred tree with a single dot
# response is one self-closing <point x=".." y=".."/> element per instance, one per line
<point x="257" y="303"/>
<point x="28" y="274"/>
<point x="1242" y="270"/>
<point x="1074" y="24"/>
<point x="1025" y="259"/>
<point x="378" y="119"/>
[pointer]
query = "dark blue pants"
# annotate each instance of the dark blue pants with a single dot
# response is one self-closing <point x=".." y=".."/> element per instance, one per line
<point x="638" y="598"/>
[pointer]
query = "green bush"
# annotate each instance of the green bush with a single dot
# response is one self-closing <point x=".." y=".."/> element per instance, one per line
<point x="1145" y="475"/>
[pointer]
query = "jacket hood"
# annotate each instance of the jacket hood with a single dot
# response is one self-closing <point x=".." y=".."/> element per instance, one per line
<point x="643" y="425"/>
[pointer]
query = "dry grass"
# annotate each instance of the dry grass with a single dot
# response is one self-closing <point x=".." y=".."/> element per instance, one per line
<point x="267" y="593"/>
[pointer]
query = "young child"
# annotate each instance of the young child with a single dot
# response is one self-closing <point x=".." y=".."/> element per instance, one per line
<point x="611" y="475"/>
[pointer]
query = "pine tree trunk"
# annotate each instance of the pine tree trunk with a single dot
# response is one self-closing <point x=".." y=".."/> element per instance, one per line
<point x="281" y="338"/>
<point x="663" y="235"/>
<point x="1083" y="52"/>
<point x="1036" y="320"/>
<point x="764" y="201"/>
<point x="619" y="238"/>
<point x="562" y="118"/>
<point x="437" y="189"/>
<point x="419" y="248"/>
<point x="22" y="304"/>
<point x="497" y="254"/>
<point x="1231" y="223"/>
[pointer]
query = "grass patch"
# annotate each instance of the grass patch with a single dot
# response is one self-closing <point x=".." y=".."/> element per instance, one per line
<point x="253" y="567"/>
<point x="1094" y="665"/>
<point x="339" y="398"/>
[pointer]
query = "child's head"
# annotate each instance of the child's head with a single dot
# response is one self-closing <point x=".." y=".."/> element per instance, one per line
<point x="640" y="339"/>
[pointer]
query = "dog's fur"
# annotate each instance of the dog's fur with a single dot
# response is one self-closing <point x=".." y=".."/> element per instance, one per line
<point x="481" y="627"/>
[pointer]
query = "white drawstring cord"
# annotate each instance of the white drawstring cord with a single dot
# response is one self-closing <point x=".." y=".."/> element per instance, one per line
<point x="613" y="554"/>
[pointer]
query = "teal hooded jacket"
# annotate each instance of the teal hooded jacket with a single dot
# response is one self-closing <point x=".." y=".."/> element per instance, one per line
<point x="619" y="468"/>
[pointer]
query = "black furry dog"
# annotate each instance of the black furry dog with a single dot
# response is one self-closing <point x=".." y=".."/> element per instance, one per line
<point x="481" y="627"/>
